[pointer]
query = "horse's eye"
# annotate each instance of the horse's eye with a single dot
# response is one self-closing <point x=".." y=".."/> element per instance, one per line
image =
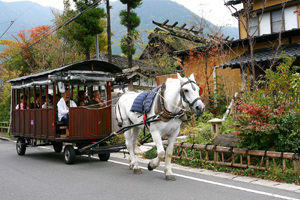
<point x="186" y="90"/>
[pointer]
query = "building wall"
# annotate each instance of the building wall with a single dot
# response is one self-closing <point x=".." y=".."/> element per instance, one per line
<point x="267" y="13"/>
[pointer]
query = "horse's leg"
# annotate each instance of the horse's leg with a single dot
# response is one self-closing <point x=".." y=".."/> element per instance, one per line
<point x="169" y="152"/>
<point x="134" y="163"/>
<point x="128" y="142"/>
<point x="160" y="150"/>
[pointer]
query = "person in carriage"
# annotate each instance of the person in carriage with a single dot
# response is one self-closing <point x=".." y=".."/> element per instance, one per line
<point x="63" y="107"/>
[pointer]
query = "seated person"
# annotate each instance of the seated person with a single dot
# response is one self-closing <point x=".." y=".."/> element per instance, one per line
<point x="37" y="102"/>
<point x="82" y="98"/>
<point x="63" y="107"/>
<point x="50" y="102"/>
<point x="23" y="105"/>
<point x="81" y="103"/>
<point x="96" y="99"/>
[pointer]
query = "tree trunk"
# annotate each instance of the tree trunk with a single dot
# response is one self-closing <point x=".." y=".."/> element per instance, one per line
<point x="87" y="54"/>
<point x="130" y="87"/>
<point x="109" y="53"/>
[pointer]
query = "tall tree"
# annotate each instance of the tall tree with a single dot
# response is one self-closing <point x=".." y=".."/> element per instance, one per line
<point x="88" y="25"/>
<point x="129" y="19"/>
<point x="108" y="32"/>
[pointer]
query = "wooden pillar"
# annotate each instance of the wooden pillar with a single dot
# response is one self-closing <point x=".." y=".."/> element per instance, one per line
<point x="34" y="97"/>
<point x="71" y="95"/>
<point x="47" y="104"/>
<point x="28" y="100"/>
<point x="108" y="91"/>
<point x="40" y="96"/>
<point x="69" y="107"/>
<point x="18" y="103"/>
<point x="78" y="92"/>
<point x="54" y="110"/>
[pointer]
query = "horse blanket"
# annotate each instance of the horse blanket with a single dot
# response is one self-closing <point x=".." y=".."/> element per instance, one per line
<point x="143" y="102"/>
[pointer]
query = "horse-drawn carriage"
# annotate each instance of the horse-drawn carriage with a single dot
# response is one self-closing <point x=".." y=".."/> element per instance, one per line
<point x="34" y="125"/>
<point x="90" y="126"/>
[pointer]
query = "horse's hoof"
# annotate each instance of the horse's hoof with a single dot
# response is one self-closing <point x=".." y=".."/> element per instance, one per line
<point x="137" y="171"/>
<point x="149" y="167"/>
<point x="170" y="178"/>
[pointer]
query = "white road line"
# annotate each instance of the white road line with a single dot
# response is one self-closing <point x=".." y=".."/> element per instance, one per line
<point x="216" y="183"/>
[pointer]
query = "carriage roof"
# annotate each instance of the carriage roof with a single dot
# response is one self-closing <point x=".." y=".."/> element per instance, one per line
<point x="81" y="72"/>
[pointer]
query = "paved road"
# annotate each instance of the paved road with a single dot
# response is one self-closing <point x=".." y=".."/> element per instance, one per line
<point x="42" y="174"/>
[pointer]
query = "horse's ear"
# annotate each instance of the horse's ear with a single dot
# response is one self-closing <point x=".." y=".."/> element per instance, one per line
<point x="192" y="77"/>
<point x="179" y="77"/>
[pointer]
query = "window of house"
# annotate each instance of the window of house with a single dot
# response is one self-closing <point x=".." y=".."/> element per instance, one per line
<point x="253" y="26"/>
<point x="277" y="21"/>
<point x="264" y="26"/>
<point x="290" y="18"/>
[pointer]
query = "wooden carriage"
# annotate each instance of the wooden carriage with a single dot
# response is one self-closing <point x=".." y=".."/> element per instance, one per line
<point x="40" y="126"/>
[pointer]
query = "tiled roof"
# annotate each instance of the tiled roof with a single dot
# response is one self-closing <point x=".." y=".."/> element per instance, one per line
<point x="261" y="55"/>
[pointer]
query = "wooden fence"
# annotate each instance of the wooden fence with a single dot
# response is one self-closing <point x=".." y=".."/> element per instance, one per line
<point x="243" y="156"/>
<point x="4" y="126"/>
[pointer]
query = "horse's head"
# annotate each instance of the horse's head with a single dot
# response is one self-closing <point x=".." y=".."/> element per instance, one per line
<point x="190" y="93"/>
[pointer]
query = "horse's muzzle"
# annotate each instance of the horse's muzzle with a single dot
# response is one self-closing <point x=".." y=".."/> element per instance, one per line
<point x="199" y="110"/>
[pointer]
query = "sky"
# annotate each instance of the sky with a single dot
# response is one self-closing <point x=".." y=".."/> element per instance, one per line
<point x="212" y="10"/>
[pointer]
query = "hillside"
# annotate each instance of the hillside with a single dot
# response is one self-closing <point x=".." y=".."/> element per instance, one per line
<point x="35" y="16"/>
<point x="157" y="10"/>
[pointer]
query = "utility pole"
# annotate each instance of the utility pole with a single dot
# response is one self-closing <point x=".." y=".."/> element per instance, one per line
<point x="109" y="53"/>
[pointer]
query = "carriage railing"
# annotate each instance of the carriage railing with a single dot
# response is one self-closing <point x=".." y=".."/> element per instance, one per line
<point x="237" y="157"/>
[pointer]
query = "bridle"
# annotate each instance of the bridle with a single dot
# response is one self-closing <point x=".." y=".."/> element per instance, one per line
<point x="183" y="95"/>
<point x="167" y="115"/>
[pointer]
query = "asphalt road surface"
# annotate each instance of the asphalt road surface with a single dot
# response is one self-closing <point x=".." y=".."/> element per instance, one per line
<point x="42" y="174"/>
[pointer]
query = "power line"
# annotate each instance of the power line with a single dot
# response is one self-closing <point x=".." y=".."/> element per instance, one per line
<point x="7" y="29"/>
<point x="55" y="28"/>
<point x="12" y="22"/>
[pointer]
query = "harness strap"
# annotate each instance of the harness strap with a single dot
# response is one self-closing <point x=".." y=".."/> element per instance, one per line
<point x="163" y="112"/>
<point x="120" y="116"/>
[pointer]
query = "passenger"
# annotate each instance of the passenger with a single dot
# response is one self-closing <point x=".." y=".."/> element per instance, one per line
<point x="23" y="105"/>
<point x="81" y="103"/>
<point x="63" y="109"/>
<point x="50" y="102"/>
<point x="43" y="100"/>
<point x="96" y="100"/>
<point x="82" y="97"/>
<point x="37" y="102"/>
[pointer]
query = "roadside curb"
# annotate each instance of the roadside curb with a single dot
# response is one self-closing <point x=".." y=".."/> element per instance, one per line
<point x="3" y="138"/>
<point x="251" y="180"/>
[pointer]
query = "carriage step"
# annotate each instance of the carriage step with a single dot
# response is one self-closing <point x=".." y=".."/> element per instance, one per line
<point x="62" y="127"/>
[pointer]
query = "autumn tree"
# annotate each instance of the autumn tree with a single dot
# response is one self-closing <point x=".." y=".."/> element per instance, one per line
<point x="20" y="57"/>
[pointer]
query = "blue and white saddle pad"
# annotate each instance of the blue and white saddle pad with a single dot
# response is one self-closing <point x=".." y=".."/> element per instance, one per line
<point x="143" y="101"/>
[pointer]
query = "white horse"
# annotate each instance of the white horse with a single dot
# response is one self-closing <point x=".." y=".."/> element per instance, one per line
<point x="177" y="96"/>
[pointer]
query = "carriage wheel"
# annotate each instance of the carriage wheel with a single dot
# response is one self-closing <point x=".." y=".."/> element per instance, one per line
<point x="69" y="154"/>
<point x="104" y="156"/>
<point x="21" y="146"/>
<point x="57" y="146"/>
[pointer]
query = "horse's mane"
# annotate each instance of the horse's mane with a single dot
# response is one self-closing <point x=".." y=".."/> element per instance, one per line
<point x="172" y="83"/>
